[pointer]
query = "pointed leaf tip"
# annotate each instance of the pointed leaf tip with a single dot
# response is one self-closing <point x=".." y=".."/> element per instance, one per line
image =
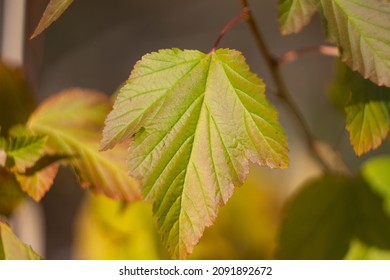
<point x="53" y="11"/>
<point x="295" y="14"/>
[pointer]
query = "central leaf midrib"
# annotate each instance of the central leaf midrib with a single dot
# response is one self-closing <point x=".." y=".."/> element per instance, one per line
<point x="192" y="149"/>
<point x="164" y="96"/>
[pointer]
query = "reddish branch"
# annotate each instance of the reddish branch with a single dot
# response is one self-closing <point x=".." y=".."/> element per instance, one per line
<point x="228" y="26"/>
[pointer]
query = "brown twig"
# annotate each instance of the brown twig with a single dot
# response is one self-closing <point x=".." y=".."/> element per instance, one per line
<point x="274" y="67"/>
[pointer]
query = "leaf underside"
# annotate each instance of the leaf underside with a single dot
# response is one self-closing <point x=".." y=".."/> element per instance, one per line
<point x="361" y="29"/>
<point x="196" y="121"/>
<point x="295" y="14"/>
<point x="53" y="11"/>
<point x="73" y="121"/>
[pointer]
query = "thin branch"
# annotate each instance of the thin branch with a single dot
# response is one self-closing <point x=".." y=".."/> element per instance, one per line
<point x="293" y="55"/>
<point x="228" y="26"/>
<point x="274" y="67"/>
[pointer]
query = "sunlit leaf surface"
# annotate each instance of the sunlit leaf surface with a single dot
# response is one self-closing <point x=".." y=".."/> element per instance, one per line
<point x="196" y="120"/>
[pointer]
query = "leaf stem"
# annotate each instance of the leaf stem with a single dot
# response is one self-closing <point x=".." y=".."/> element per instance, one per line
<point x="228" y="26"/>
<point x="274" y="67"/>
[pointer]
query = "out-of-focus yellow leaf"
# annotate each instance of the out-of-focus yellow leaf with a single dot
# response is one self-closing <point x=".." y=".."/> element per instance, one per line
<point x="245" y="229"/>
<point x="11" y="248"/>
<point x="108" y="229"/>
<point x="246" y="226"/>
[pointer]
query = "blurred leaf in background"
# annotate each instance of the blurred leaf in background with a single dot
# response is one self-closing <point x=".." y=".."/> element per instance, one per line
<point x="322" y="219"/>
<point x="360" y="251"/>
<point x="109" y="229"/>
<point x="245" y="228"/>
<point x="10" y="194"/>
<point x="11" y="248"/>
<point x="73" y="120"/>
<point x="377" y="172"/>
<point x="318" y="220"/>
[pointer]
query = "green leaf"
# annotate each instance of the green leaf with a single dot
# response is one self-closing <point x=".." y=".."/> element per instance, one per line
<point x="376" y="172"/>
<point x="37" y="178"/>
<point x="373" y="224"/>
<point x="24" y="151"/>
<point x="295" y="14"/>
<point x="16" y="98"/>
<point x="360" y="251"/>
<point x="361" y="29"/>
<point x="318" y="222"/>
<point x="11" y="248"/>
<point x="53" y="11"/>
<point x="197" y="120"/>
<point x="368" y="114"/>
<point x="73" y="120"/>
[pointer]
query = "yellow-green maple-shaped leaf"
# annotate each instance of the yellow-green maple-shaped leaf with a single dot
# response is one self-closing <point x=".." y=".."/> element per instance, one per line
<point x="361" y="29"/>
<point x="73" y="120"/>
<point x="197" y="120"/>
<point x="368" y="114"/>
<point x="295" y="14"/>
<point x="11" y="248"/>
<point x="53" y="11"/>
